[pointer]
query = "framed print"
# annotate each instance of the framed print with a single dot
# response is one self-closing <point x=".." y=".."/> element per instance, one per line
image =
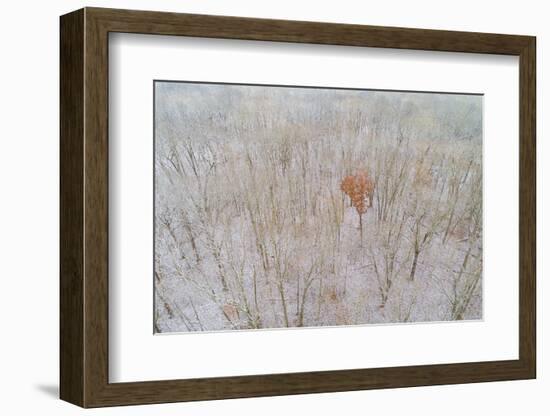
<point x="255" y="207"/>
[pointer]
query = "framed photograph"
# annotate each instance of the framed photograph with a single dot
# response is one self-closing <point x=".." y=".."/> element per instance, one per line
<point x="255" y="207"/>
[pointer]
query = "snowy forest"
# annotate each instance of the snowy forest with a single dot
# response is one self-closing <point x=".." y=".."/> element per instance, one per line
<point x="281" y="207"/>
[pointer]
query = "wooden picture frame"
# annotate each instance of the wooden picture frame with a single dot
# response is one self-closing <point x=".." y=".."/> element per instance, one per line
<point x="84" y="207"/>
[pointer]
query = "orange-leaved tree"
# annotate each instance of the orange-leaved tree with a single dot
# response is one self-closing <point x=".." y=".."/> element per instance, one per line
<point x="359" y="188"/>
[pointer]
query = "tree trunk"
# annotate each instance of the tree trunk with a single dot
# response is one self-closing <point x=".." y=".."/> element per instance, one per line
<point x="415" y="262"/>
<point x="361" y="228"/>
<point x="283" y="301"/>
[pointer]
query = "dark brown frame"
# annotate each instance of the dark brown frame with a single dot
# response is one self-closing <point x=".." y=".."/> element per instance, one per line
<point x="84" y="209"/>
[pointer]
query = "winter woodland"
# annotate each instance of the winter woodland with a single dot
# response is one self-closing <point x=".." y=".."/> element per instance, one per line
<point x="300" y="207"/>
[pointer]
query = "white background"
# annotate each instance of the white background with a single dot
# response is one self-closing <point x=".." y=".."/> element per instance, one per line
<point x="29" y="210"/>
<point x="136" y="355"/>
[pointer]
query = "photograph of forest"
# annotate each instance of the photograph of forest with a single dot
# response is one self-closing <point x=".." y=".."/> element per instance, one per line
<point x="285" y="207"/>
